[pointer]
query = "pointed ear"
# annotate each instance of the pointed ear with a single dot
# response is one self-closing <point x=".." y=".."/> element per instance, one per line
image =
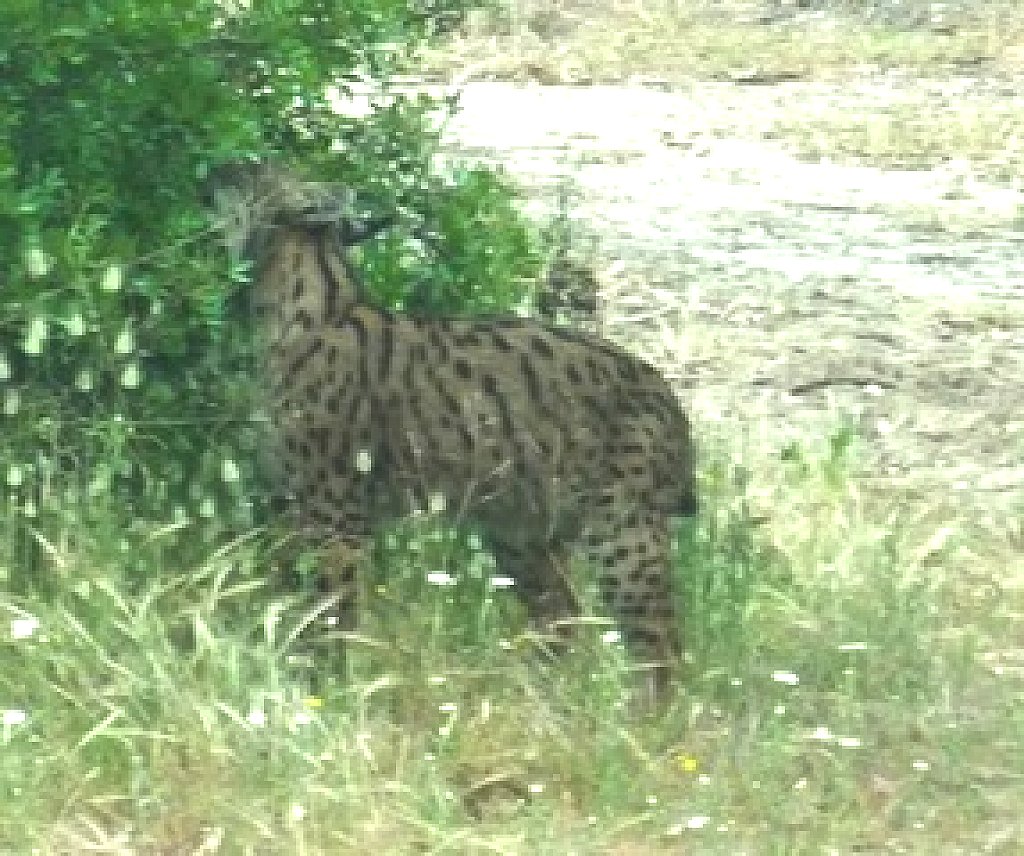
<point x="241" y="175"/>
<point x="356" y="231"/>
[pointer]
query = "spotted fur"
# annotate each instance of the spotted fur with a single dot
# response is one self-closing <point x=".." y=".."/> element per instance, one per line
<point x="549" y="439"/>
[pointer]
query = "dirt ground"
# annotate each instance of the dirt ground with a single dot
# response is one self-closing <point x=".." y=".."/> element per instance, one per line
<point x="797" y="290"/>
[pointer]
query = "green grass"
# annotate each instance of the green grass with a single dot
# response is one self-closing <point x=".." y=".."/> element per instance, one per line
<point x="584" y="41"/>
<point x="849" y="685"/>
<point x="915" y="131"/>
<point x="679" y="42"/>
<point x="854" y="673"/>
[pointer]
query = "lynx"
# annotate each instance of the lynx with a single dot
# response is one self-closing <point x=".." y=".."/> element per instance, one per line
<point x="548" y="439"/>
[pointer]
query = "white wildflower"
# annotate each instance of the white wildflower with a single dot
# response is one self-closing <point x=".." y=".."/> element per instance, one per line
<point x="229" y="470"/>
<point x="37" y="262"/>
<point x="23" y="628"/>
<point x="84" y="380"/>
<point x="131" y="376"/>
<point x="125" y="342"/>
<point x="36" y="335"/>
<point x="14" y="716"/>
<point x="112" y="278"/>
<point x="75" y="325"/>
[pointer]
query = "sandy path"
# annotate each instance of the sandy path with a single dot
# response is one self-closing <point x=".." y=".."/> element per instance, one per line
<point x="786" y="289"/>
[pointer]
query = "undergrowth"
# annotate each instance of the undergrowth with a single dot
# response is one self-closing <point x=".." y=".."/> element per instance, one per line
<point x="824" y="701"/>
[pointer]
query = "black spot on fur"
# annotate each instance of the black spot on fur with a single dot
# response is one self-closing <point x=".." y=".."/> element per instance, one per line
<point x="541" y="347"/>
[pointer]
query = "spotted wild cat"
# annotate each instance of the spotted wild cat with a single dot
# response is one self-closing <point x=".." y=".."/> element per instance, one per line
<point x="550" y="440"/>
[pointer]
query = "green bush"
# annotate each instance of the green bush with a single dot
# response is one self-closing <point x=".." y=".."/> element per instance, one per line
<point x="125" y="373"/>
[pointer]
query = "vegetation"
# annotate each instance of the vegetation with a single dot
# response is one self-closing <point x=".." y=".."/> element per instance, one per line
<point x="827" y="704"/>
<point x="124" y="365"/>
<point x="745" y="41"/>
<point x="853" y="672"/>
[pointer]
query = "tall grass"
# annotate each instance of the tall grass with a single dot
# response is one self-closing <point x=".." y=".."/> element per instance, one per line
<point x="833" y="697"/>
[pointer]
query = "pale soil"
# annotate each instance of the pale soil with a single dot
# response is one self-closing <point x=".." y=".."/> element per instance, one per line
<point x="783" y="294"/>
